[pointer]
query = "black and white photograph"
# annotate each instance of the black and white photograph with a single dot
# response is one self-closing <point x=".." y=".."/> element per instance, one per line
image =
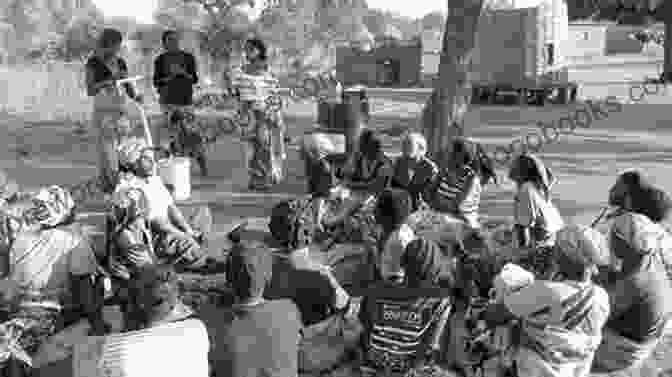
<point x="335" y="188"/>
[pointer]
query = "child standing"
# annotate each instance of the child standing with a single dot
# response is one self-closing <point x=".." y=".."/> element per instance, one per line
<point x="536" y="217"/>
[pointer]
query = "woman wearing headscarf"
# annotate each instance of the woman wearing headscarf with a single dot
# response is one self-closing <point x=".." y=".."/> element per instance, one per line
<point x="129" y="238"/>
<point x="366" y="175"/>
<point x="536" y="217"/>
<point x="456" y="190"/>
<point x="640" y="307"/>
<point x="413" y="171"/>
<point x="51" y="272"/>
<point x="177" y="238"/>
<point x="254" y="85"/>
<point x="257" y="336"/>
<point x="404" y="322"/>
<point x="393" y="208"/>
<point x="561" y="318"/>
<point x="103" y="68"/>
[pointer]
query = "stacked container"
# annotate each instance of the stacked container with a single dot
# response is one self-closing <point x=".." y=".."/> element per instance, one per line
<point x="513" y="44"/>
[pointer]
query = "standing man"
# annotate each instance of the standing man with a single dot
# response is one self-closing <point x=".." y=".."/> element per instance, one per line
<point x="174" y="78"/>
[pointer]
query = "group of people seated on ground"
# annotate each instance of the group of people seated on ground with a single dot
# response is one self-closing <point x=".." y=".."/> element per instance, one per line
<point x="579" y="301"/>
<point x="593" y="303"/>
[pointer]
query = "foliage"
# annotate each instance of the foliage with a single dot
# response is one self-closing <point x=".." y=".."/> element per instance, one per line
<point x="37" y="24"/>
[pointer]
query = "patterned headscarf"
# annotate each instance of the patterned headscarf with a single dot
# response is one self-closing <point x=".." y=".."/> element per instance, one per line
<point x="127" y="204"/>
<point x="584" y="245"/>
<point x="130" y="151"/>
<point x="52" y="206"/>
<point x="640" y="233"/>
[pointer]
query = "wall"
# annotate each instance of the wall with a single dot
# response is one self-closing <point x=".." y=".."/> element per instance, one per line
<point x="586" y="40"/>
<point x="357" y="67"/>
<point x="618" y="41"/>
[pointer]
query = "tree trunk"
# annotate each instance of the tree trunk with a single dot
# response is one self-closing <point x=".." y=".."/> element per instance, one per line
<point x="667" y="65"/>
<point x="442" y="118"/>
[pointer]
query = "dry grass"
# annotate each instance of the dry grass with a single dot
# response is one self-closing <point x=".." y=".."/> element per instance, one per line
<point x="45" y="92"/>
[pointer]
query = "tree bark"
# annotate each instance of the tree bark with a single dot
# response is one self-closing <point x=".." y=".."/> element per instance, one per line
<point x="443" y="114"/>
<point x="667" y="65"/>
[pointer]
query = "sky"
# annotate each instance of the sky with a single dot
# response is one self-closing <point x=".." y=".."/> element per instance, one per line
<point x="142" y="10"/>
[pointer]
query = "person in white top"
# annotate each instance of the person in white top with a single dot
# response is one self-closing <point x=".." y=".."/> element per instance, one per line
<point x="537" y="218"/>
<point x="177" y="239"/>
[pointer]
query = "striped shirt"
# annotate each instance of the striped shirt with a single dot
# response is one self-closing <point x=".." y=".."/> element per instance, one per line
<point x="254" y="88"/>
<point x="399" y="329"/>
<point x="461" y="193"/>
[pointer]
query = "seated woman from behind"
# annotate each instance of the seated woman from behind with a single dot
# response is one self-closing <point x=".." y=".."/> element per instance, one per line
<point x="404" y="323"/>
<point x="394" y="207"/>
<point x="176" y="239"/>
<point x="49" y="270"/>
<point x="562" y="318"/>
<point x="457" y="188"/>
<point x="414" y="170"/>
<point x="311" y="286"/>
<point x="536" y="217"/>
<point x="256" y="337"/>
<point x="174" y="339"/>
<point x="130" y="241"/>
<point x="639" y="295"/>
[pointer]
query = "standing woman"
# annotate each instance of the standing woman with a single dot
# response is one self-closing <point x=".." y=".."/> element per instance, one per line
<point x="254" y="84"/>
<point x="103" y="68"/>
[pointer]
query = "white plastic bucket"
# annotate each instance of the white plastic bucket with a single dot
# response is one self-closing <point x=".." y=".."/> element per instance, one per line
<point x="176" y="171"/>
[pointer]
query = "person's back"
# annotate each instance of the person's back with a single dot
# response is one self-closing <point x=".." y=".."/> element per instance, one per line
<point x="400" y="326"/>
<point x="310" y="290"/>
<point x="649" y="291"/>
<point x="258" y="341"/>
<point x="47" y="259"/>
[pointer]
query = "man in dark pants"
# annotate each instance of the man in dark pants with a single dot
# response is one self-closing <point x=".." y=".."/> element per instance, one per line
<point x="175" y="74"/>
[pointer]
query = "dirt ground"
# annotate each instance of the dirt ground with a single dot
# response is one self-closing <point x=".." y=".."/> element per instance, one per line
<point x="585" y="163"/>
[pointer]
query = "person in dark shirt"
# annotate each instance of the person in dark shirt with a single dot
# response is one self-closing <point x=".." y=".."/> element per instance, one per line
<point x="404" y="323"/>
<point x="256" y="337"/>
<point x="102" y="69"/>
<point x="367" y="174"/>
<point x="311" y="286"/>
<point x="175" y="74"/>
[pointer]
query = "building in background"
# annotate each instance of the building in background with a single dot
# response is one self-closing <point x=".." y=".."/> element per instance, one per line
<point x="387" y="65"/>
